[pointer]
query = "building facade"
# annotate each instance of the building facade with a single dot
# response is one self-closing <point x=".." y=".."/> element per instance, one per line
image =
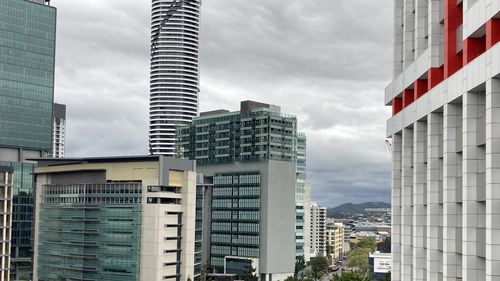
<point x="318" y="230"/>
<point x="444" y="130"/>
<point x="119" y="218"/>
<point x="28" y="30"/>
<point x="6" y="180"/>
<point x="334" y="236"/>
<point x="250" y="157"/>
<point x="58" y="130"/>
<point x="174" y="83"/>
<point x="301" y="247"/>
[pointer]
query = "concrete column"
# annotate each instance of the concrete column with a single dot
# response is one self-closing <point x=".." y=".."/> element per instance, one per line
<point x="396" y="207"/>
<point x="493" y="179"/>
<point x="408" y="33"/>
<point x="434" y="196"/>
<point x="407" y="205"/>
<point x="436" y="34"/>
<point x="473" y="263"/>
<point x="452" y="192"/>
<point x="421" y="26"/>
<point x="419" y="200"/>
<point x="398" y="38"/>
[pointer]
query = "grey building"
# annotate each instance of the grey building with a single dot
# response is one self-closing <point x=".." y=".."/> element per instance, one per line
<point x="28" y="30"/>
<point x="250" y="208"/>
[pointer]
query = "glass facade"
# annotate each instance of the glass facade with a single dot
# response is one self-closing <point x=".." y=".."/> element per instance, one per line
<point x="22" y="219"/>
<point x="90" y="232"/>
<point x="235" y="224"/>
<point x="27" y="49"/>
<point x="262" y="134"/>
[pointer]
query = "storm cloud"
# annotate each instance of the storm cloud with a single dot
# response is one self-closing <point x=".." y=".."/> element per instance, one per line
<point x="325" y="61"/>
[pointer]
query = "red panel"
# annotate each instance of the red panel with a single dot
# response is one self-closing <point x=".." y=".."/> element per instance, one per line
<point x="408" y="97"/>
<point x="435" y="76"/>
<point x="421" y="87"/>
<point x="452" y="20"/>
<point x="397" y="105"/>
<point x="492" y="32"/>
<point x="473" y="47"/>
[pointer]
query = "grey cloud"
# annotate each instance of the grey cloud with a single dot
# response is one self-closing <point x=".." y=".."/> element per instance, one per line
<point x="325" y="61"/>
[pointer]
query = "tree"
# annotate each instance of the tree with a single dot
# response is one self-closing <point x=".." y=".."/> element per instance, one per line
<point x="351" y="276"/>
<point x="319" y="265"/>
<point x="385" y="246"/>
<point x="358" y="258"/>
<point x="328" y="252"/>
<point x="366" y="242"/>
<point x="250" y="274"/>
<point x="300" y="264"/>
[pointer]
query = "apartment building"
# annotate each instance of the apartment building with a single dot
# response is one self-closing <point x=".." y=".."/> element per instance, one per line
<point x="334" y="236"/>
<point x="445" y="140"/>
<point x="318" y="230"/>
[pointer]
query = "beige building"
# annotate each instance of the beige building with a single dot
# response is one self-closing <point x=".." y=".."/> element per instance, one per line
<point x="6" y="174"/>
<point x="335" y="239"/>
<point x="120" y="218"/>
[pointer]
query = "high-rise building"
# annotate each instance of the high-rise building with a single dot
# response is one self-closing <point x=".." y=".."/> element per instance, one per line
<point x="6" y="179"/>
<point x="174" y="71"/>
<point x="334" y="236"/>
<point x="58" y="130"/>
<point x="301" y="200"/>
<point x="318" y="230"/>
<point x="445" y="140"/>
<point x="115" y="218"/>
<point x="250" y="156"/>
<point x="27" y="31"/>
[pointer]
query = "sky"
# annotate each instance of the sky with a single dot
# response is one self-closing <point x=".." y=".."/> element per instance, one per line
<point x="325" y="61"/>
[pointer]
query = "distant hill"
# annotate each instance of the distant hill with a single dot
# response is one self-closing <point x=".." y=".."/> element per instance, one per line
<point x="351" y="209"/>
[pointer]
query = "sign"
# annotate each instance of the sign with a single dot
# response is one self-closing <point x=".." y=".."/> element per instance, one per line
<point x="381" y="265"/>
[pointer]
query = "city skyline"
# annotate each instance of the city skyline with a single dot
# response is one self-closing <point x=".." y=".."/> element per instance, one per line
<point x="256" y="53"/>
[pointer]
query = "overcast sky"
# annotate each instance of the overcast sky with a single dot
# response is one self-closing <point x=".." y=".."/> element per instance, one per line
<point x="325" y="61"/>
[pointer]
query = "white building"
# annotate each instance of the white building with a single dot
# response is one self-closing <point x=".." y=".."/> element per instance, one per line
<point x="445" y="132"/>
<point x="6" y="178"/>
<point x="174" y="81"/>
<point x="317" y="230"/>
<point x="58" y="130"/>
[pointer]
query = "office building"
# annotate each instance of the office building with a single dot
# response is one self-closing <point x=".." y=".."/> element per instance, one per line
<point x="28" y="30"/>
<point x="334" y="236"/>
<point x="318" y="230"/>
<point x="301" y="247"/>
<point x="250" y="157"/>
<point x="115" y="218"/>
<point x="445" y="140"/>
<point x="174" y="83"/>
<point x="58" y="130"/>
<point x="307" y="222"/>
<point x="6" y="179"/>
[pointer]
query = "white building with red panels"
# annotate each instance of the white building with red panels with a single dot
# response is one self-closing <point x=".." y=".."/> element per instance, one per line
<point x="445" y="132"/>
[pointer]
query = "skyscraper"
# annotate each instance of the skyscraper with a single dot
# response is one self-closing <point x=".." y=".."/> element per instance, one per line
<point x="58" y="130"/>
<point x="174" y="83"/>
<point x="27" y="52"/>
<point x="445" y="140"/>
<point x="250" y="216"/>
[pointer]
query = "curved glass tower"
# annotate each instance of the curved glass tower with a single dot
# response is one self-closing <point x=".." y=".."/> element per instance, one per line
<point x="174" y="73"/>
